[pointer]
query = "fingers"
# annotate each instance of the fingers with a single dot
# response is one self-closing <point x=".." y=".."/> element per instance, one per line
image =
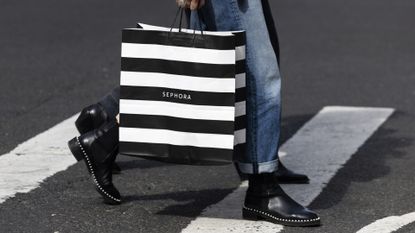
<point x="194" y="5"/>
<point x="118" y="118"/>
<point x="183" y="3"/>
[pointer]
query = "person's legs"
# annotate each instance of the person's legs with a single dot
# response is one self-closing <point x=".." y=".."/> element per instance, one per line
<point x="263" y="79"/>
<point x="264" y="198"/>
<point x="283" y="174"/>
<point x="272" y="29"/>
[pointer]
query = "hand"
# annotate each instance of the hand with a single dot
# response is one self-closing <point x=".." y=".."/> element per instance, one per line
<point x="192" y="4"/>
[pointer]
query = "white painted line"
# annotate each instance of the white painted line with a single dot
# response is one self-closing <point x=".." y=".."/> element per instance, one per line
<point x="321" y="147"/>
<point x="24" y="168"/>
<point x="389" y="224"/>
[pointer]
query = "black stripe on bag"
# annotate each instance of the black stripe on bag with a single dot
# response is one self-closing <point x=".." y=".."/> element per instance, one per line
<point x="240" y="122"/>
<point x="177" y="154"/>
<point x="239" y="39"/>
<point x="240" y="67"/>
<point x="239" y="151"/>
<point x="178" y="67"/>
<point x="178" y="39"/>
<point x="177" y="96"/>
<point x="177" y="124"/>
<point x="240" y="94"/>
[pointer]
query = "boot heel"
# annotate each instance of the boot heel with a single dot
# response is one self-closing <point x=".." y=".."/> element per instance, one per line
<point x="76" y="149"/>
<point x="250" y="215"/>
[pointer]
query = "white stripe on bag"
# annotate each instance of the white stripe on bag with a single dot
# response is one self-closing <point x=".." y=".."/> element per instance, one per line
<point x="240" y="53"/>
<point x="240" y="137"/>
<point x="240" y="108"/>
<point x="188" y="111"/>
<point x="191" y="83"/>
<point x="178" y="53"/>
<point x="240" y="80"/>
<point x="158" y="28"/>
<point x="163" y="136"/>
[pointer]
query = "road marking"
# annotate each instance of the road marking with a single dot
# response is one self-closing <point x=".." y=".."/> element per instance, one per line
<point x="389" y="224"/>
<point x="330" y="138"/>
<point x="31" y="162"/>
<point x="320" y="148"/>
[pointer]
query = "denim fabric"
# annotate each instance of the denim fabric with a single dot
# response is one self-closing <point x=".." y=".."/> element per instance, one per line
<point x="263" y="77"/>
<point x="111" y="102"/>
<point x="273" y="34"/>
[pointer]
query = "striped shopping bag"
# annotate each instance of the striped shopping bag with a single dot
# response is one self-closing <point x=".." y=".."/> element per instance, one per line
<point x="182" y="95"/>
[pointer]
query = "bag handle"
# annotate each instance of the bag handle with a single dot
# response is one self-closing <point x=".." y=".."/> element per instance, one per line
<point x="180" y="12"/>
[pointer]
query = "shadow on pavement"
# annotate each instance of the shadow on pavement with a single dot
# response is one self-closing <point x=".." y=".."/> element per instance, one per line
<point x="186" y="203"/>
<point x="368" y="164"/>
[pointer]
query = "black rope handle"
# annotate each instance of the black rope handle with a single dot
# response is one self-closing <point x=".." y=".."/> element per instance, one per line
<point x="180" y="12"/>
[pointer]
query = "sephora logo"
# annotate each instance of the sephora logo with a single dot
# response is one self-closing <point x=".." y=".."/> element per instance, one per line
<point x="175" y="95"/>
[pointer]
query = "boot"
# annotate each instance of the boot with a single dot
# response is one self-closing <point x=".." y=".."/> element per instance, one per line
<point x="93" y="117"/>
<point x="266" y="200"/>
<point x="99" y="148"/>
<point x="283" y="174"/>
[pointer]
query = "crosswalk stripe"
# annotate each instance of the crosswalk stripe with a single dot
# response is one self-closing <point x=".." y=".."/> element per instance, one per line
<point x="330" y="138"/>
<point x="24" y="168"/>
<point x="389" y="224"/>
<point x="321" y="147"/>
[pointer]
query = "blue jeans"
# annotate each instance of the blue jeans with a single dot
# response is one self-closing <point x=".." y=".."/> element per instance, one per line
<point x="263" y="78"/>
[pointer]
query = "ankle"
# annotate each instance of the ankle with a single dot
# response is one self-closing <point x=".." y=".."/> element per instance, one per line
<point x="264" y="184"/>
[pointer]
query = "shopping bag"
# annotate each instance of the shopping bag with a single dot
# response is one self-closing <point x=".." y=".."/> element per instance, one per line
<point x="183" y="96"/>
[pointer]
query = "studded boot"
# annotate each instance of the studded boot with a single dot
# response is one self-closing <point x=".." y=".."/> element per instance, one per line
<point x="99" y="148"/>
<point x="266" y="200"/>
<point x="93" y="117"/>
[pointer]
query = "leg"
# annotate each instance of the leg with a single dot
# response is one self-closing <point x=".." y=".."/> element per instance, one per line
<point x="111" y="102"/>
<point x="271" y="28"/>
<point x="263" y="79"/>
<point x="263" y="113"/>
<point x="283" y="174"/>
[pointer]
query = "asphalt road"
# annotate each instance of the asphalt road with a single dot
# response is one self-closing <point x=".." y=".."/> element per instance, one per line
<point x="59" y="56"/>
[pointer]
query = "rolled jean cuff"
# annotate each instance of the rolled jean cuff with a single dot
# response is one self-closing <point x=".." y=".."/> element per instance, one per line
<point x="250" y="168"/>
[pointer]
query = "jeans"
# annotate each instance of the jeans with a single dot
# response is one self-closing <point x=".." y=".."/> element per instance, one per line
<point x="262" y="73"/>
<point x="263" y="79"/>
<point x="111" y="102"/>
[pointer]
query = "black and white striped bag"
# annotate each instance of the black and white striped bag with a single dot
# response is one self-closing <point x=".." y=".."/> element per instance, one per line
<point x="182" y="95"/>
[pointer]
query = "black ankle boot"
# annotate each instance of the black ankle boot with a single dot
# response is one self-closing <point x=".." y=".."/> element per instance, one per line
<point x="265" y="200"/>
<point x="283" y="174"/>
<point x="286" y="176"/>
<point x="93" y="117"/>
<point x="99" y="148"/>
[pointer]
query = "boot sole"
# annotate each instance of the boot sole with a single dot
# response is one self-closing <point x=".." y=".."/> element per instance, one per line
<point x="253" y="214"/>
<point x="79" y="152"/>
<point x="75" y="149"/>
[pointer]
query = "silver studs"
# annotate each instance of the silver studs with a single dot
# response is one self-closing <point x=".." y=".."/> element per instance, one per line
<point x="281" y="219"/>
<point x="92" y="172"/>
